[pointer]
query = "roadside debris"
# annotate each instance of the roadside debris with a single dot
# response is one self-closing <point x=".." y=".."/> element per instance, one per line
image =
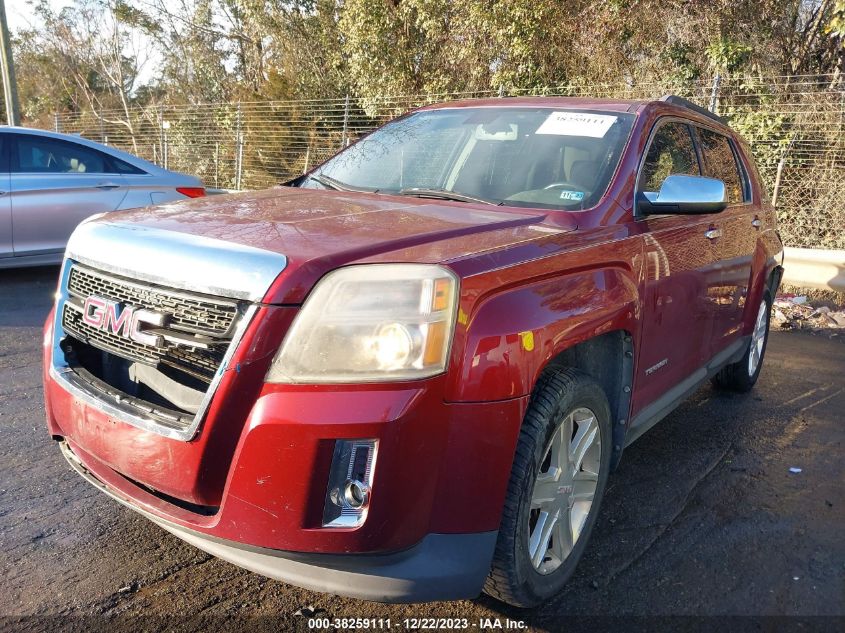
<point x="132" y="587"/>
<point x="795" y="469"/>
<point x="797" y="312"/>
<point x="309" y="611"/>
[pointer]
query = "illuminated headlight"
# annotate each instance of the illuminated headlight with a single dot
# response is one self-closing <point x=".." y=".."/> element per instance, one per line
<point x="371" y="323"/>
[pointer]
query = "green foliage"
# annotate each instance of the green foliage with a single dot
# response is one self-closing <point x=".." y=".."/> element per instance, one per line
<point x="836" y="25"/>
<point x="396" y="47"/>
<point x="680" y="57"/>
<point x="127" y="14"/>
<point x="728" y="55"/>
<point x="218" y="50"/>
<point x="768" y="133"/>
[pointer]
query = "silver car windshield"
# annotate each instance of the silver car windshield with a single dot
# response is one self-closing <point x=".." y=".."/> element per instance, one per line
<point x="531" y="157"/>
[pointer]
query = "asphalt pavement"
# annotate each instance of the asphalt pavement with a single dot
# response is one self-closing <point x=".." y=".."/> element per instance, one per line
<point x="703" y="526"/>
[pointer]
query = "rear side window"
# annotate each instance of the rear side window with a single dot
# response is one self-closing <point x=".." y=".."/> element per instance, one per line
<point x="720" y="162"/>
<point x="671" y="152"/>
<point x="38" y="154"/>
<point x="122" y="167"/>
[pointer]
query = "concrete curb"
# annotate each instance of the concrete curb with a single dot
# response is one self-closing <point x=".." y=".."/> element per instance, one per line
<point x="814" y="268"/>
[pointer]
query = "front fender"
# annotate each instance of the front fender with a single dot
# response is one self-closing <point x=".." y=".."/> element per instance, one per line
<point x="511" y="336"/>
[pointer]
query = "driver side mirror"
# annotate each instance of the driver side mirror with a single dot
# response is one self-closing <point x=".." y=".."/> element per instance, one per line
<point x="684" y="195"/>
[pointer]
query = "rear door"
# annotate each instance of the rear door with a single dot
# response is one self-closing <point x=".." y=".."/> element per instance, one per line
<point x="142" y="188"/>
<point x="734" y="242"/>
<point x="55" y="184"/>
<point x="679" y="257"/>
<point x="6" y="249"/>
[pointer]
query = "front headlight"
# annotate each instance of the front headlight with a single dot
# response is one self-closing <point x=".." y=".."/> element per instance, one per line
<point x="372" y="322"/>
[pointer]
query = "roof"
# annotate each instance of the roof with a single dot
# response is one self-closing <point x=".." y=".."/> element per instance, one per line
<point x="587" y="103"/>
<point x="590" y="103"/>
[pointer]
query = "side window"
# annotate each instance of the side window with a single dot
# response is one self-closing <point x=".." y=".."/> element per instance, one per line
<point x="671" y="152"/>
<point x="122" y="167"/>
<point x="39" y="154"/>
<point x="720" y="162"/>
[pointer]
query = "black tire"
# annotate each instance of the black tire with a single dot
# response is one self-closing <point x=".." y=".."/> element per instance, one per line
<point x="736" y="376"/>
<point x="513" y="578"/>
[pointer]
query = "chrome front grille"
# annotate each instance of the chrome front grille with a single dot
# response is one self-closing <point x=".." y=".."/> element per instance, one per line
<point x="195" y="336"/>
<point x="198" y="294"/>
<point x="186" y="311"/>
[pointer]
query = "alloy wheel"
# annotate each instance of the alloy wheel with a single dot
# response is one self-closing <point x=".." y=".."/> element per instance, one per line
<point x="564" y="490"/>
<point x="758" y="339"/>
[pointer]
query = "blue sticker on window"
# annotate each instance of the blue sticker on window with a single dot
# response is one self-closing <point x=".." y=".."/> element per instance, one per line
<point x="577" y="196"/>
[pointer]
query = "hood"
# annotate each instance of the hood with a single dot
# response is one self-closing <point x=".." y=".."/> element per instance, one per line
<point x="304" y="233"/>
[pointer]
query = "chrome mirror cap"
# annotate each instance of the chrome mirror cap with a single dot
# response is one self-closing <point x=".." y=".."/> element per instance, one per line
<point x="683" y="194"/>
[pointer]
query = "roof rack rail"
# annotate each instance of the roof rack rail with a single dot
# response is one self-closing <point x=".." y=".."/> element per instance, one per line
<point x="689" y="105"/>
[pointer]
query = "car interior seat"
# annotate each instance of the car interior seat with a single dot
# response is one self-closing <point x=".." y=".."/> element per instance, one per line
<point x="77" y="166"/>
<point x="584" y="173"/>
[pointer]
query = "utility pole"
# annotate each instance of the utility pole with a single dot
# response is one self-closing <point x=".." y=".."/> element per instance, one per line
<point x="7" y="66"/>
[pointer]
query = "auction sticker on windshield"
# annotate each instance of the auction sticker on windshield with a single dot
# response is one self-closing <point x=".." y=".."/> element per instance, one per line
<point x="577" y="124"/>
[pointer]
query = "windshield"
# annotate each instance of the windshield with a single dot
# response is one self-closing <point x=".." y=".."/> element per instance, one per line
<point x="532" y="157"/>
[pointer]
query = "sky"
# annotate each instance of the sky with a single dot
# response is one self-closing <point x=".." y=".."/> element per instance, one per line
<point x="20" y="15"/>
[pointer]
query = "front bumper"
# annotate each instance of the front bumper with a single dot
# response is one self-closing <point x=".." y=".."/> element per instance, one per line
<point x="262" y="462"/>
<point x="440" y="567"/>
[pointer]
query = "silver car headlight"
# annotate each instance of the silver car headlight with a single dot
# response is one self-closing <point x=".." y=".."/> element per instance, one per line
<point x="372" y="322"/>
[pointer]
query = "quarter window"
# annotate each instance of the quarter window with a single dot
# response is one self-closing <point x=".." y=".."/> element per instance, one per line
<point x="720" y="162"/>
<point x="122" y="167"/>
<point x="37" y="154"/>
<point x="671" y="152"/>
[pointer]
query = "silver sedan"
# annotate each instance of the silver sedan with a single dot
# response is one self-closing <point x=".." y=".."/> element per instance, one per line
<point x="50" y="182"/>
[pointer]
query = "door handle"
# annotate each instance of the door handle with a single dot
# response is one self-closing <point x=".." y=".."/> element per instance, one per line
<point x="712" y="234"/>
<point x="756" y="223"/>
<point x="108" y="185"/>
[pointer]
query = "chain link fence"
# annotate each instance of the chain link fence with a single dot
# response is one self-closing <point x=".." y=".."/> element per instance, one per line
<point x="795" y="126"/>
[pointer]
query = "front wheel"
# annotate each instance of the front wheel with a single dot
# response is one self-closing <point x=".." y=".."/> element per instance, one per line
<point x="558" y="478"/>
<point x="741" y="375"/>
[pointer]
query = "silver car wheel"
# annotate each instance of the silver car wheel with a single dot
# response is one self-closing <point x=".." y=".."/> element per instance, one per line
<point x="758" y="339"/>
<point x="564" y="490"/>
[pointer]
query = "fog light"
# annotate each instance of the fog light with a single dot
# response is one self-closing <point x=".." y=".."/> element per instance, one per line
<point x="356" y="494"/>
<point x="350" y="480"/>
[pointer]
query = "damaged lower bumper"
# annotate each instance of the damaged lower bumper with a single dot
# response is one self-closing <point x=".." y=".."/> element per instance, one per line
<point x="439" y="567"/>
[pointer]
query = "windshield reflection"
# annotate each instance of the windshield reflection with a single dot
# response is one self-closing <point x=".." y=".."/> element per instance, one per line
<point x="530" y="157"/>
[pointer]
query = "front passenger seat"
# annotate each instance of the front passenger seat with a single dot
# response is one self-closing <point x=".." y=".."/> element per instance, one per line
<point x="584" y="174"/>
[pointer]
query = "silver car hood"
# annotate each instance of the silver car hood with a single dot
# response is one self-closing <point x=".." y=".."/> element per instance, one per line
<point x="176" y="260"/>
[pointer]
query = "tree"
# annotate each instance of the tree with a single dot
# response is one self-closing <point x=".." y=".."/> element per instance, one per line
<point x="93" y="53"/>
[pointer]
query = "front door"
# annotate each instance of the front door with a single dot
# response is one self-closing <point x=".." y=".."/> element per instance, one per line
<point x="55" y="184"/>
<point x="677" y="314"/>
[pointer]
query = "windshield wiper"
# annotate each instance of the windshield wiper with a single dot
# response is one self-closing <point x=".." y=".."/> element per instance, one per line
<point x="331" y="183"/>
<point x="443" y="194"/>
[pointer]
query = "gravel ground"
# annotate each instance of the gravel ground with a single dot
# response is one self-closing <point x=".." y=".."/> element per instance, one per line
<point x="703" y="519"/>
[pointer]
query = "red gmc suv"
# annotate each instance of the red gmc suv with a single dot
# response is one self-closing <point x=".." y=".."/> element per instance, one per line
<point x="408" y="374"/>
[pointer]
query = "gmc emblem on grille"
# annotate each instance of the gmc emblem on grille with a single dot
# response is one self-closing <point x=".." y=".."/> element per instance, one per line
<point x="124" y="321"/>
